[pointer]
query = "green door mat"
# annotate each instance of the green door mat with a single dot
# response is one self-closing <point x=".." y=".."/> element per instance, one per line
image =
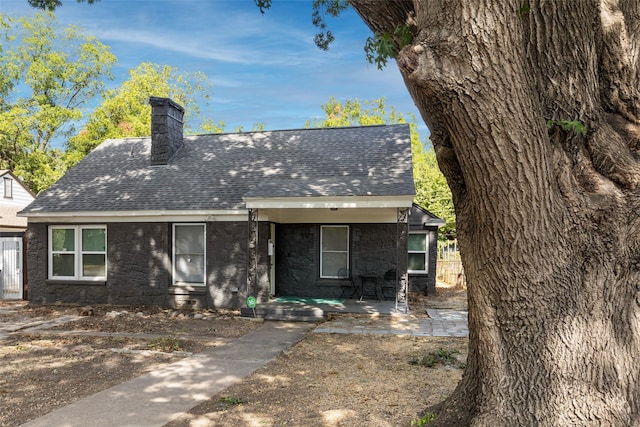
<point x="304" y="300"/>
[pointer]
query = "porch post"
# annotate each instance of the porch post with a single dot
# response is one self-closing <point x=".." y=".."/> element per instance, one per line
<point x="402" y="236"/>
<point x="252" y="253"/>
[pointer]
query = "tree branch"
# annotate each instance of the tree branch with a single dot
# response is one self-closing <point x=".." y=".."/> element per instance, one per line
<point x="385" y="19"/>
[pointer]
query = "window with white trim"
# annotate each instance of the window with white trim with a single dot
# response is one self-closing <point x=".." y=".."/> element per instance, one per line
<point x="334" y="251"/>
<point x="418" y="252"/>
<point x="189" y="254"/>
<point x="78" y="252"/>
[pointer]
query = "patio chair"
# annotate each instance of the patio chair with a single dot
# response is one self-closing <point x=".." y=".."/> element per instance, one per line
<point x="389" y="283"/>
<point x="347" y="284"/>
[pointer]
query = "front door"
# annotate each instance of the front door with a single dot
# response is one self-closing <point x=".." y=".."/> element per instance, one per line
<point x="11" y="268"/>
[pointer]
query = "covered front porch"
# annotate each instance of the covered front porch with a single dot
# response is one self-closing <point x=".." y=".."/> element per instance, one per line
<point x="341" y="248"/>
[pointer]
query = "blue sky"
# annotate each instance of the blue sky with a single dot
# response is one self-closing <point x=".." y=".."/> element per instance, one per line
<point x="264" y="68"/>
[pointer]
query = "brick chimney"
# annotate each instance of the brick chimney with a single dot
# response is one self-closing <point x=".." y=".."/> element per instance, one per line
<point x="166" y="129"/>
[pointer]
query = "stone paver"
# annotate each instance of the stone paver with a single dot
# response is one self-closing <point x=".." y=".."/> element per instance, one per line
<point x="34" y="325"/>
<point x="441" y="323"/>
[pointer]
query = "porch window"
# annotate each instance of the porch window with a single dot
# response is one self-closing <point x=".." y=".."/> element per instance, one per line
<point x="418" y="252"/>
<point x="334" y="251"/>
<point x="78" y="252"/>
<point x="189" y="254"/>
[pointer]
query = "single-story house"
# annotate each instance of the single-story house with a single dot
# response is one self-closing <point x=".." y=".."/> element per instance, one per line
<point x="210" y="220"/>
<point x="15" y="197"/>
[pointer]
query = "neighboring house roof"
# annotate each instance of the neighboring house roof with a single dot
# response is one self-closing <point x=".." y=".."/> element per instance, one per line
<point x="218" y="171"/>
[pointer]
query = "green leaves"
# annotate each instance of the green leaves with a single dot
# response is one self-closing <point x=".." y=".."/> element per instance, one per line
<point x="263" y="5"/>
<point x="125" y="110"/>
<point x="379" y="48"/>
<point x="321" y="8"/>
<point x="51" y="5"/>
<point x="574" y="126"/>
<point x="525" y="9"/>
<point x="440" y="357"/>
<point x="51" y="73"/>
<point x="354" y="113"/>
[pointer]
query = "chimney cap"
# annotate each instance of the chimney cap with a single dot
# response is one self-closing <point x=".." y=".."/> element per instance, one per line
<point x="155" y="101"/>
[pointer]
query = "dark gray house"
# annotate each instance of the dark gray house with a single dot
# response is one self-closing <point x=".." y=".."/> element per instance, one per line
<point x="209" y="220"/>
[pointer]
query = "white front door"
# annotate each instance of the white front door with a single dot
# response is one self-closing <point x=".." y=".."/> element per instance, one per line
<point x="11" y="268"/>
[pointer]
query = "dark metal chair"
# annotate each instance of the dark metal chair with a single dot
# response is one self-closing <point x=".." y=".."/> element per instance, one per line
<point x="389" y="284"/>
<point x="347" y="284"/>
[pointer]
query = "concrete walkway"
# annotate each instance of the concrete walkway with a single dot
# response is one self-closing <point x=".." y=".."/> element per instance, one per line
<point x="156" y="398"/>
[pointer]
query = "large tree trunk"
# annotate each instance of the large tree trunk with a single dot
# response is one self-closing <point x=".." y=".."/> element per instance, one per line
<point x="548" y="217"/>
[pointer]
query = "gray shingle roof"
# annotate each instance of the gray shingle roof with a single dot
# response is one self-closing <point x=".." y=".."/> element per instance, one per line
<point x="216" y="171"/>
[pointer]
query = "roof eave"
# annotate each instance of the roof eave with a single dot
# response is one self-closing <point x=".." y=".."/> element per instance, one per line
<point x="138" y="216"/>
<point x="345" y="202"/>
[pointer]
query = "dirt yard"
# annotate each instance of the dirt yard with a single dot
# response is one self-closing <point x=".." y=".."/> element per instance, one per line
<point x="324" y="380"/>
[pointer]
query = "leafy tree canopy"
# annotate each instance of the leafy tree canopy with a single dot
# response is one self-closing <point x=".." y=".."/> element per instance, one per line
<point x="50" y="73"/>
<point x="51" y="5"/>
<point x="125" y="110"/>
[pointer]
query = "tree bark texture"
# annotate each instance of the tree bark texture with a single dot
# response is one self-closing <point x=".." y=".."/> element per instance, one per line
<point x="548" y="216"/>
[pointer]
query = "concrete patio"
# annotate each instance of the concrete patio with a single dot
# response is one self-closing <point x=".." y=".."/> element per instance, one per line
<point x="318" y="312"/>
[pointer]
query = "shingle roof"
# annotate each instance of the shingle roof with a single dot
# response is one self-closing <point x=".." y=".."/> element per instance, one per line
<point x="212" y="172"/>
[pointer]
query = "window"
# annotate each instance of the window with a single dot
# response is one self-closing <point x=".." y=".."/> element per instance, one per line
<point x="334" y="251"/>
<point x="78" y="252"/>
<point x="418" y="252"/>
<point x="8" y="188"/>
<point x="189" y="254"/>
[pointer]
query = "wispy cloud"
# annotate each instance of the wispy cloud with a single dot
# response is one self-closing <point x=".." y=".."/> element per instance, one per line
<point x="265" y="68"/>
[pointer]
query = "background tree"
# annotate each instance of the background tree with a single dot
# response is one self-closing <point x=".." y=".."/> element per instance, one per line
<point x="125" y="110"/>
<point x="49" y="75"/>
<point x="432" y="191"/>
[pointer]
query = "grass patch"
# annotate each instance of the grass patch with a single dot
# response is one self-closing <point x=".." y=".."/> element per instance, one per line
<point x="423" y="420"/>
<point x="165" y="344"/>
<point x="229" y="401"/>
<point x="440" y="357"/>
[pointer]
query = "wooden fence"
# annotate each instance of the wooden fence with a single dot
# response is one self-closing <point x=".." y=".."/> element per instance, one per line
<point x="449" y="266"/>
